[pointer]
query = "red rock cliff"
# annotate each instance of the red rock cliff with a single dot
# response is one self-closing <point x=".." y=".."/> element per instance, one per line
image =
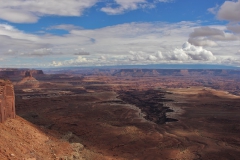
<point x="7" y="100"/>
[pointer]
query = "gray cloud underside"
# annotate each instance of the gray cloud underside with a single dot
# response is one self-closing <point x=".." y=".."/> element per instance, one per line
<point x="82" y="53"/>
<point x="207" y="36"/>
<point x="235" y="28"/>
<point x="230" y="11"/>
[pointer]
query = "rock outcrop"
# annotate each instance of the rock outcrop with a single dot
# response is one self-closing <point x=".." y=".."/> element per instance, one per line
<point x="28" y="81"/>
<point x="7" y="100"/>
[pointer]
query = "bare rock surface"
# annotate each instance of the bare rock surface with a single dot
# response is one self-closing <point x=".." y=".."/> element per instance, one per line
<point x="7" y="100"/>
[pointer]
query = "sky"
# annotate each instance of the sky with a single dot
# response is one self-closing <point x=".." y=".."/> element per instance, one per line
<point x="65" y="33"/>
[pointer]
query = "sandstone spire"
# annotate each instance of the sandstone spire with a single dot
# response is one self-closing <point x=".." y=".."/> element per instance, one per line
<point x="7" y="100"/>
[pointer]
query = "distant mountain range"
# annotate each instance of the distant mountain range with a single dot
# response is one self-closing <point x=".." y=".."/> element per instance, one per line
<point x="152" y="66"/>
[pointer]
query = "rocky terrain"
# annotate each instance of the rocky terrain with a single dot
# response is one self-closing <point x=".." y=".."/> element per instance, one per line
<point x="22" y="140"/>
<point x="109" y="116"/>
<point x="151" y="103"/>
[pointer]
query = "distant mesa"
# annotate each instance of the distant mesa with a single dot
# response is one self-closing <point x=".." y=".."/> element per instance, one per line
<point x="28" y="80"/>
<point x="35" y="72"/>
<point x="17" y="74"/>
<point x="28" y="74"/>
<point x="7" y="100"/>
<point x="174" y="72"/>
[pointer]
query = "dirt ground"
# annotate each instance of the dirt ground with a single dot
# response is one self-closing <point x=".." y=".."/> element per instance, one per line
<point x="20" y="139"/>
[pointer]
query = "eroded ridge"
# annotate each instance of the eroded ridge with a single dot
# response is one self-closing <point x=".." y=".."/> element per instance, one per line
<point x="7" y="101"/>
<point x="151" y="103"/>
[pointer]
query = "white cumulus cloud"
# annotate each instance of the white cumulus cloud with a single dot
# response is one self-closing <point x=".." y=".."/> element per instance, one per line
<point x="197" y="53"/>
<point x="29" y="11"/>
<point x="187" y="53"/>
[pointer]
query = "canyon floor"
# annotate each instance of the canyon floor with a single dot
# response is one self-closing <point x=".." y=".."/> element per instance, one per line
<point x="115" y="118"/>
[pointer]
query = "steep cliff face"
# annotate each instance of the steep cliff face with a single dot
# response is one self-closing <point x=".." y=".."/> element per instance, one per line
<point x="7" y="101"/>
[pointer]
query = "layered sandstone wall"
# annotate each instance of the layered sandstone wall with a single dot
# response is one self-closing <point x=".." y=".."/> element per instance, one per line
<point x="7" y="100"/>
